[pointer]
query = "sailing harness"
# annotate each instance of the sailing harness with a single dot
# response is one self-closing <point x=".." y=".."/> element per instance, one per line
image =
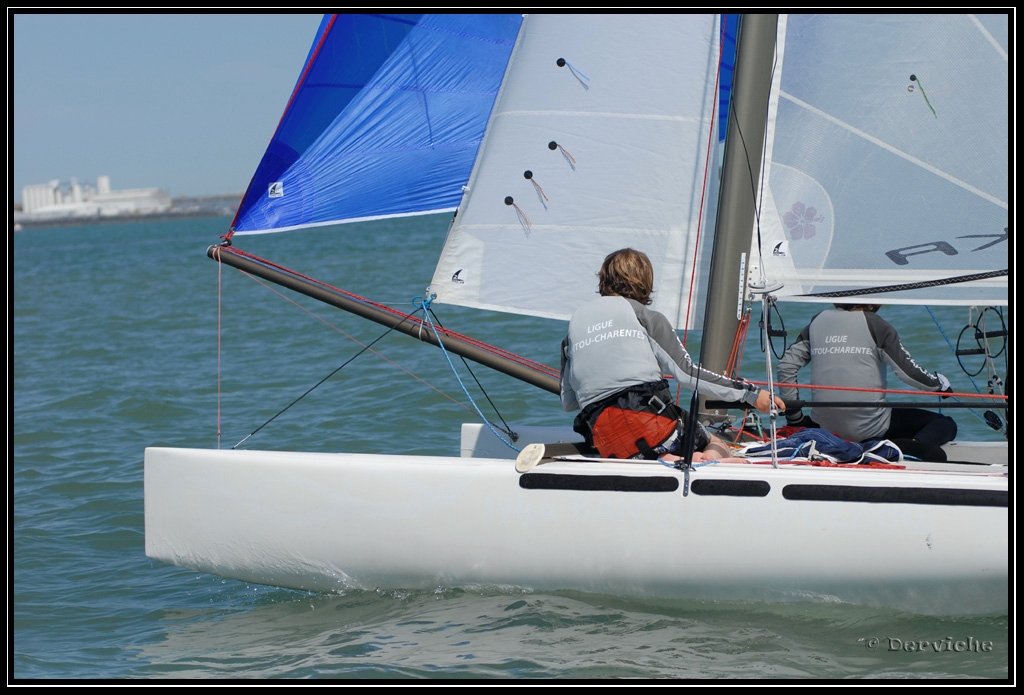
<point x="639" y="422"/>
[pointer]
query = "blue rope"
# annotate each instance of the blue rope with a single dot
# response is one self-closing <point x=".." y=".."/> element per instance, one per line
<point x="425" y="305"/>
<point x="799" y="450"/>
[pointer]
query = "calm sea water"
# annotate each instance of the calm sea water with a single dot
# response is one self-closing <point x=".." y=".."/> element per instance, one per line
<point x="127" y="336"/>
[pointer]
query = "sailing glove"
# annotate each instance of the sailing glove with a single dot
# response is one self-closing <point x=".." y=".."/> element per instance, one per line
<point x="795" y="418"/>
<point x="804" y="421"/>
<point x="944" y="386"/>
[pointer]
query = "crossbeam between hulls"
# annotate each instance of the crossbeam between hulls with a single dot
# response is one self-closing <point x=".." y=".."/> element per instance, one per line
<point x="410" y="325"/>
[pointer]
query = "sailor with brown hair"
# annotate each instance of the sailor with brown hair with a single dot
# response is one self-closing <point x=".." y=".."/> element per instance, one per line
<point x="614" y="361"/>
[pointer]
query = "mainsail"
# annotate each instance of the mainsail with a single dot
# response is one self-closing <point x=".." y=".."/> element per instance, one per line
<point x="887" y="162"/>
<point x="604" y="135"/>
<point x="385" y="120"/>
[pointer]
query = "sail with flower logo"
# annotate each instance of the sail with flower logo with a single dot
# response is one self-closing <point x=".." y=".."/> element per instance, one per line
<point x="603" y="134"/>
<point x="887" y="160"/>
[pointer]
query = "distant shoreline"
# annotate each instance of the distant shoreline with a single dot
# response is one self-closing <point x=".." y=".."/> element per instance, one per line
<point x="181" y="208"/>
<point x="24" y="226"/>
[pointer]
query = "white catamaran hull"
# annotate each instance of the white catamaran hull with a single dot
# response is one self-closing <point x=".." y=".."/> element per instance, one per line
<point x="923" y="541"/>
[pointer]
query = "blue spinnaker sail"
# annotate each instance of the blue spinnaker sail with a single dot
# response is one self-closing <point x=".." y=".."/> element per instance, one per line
<point x="385" y="120"/>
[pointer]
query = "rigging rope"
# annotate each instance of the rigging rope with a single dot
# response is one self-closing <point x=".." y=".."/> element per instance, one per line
<point x="425" y="306"/>
<point x="990" y="418"/>
<point x="436" y="329"/>
<point x="732" y="366"/>
<point x="317" y="385"/>
<point x="358" y="342"/>
<point x="505" y="354"/>
<point x="507" y="428"/>
<point x="911" y="392"/>
<point x="703" y="192"/>
<point x="366" y="346"/>
<point x="219" y="305"/>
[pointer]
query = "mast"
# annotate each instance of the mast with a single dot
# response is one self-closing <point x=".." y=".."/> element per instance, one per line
<point x="741" y="169"/>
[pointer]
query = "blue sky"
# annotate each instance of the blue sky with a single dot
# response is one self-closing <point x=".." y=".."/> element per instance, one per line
<point x="182" y="102"/>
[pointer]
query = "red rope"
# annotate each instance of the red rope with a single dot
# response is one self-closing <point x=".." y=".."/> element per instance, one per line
<point x="912" y="392"/>
<point x="732" y="367"/>
<point x="298" y="86"/>
<point x="704" y="187"/>
<point x="830" y="464"/>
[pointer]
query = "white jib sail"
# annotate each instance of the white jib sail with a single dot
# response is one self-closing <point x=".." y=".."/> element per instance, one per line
<point x="600" y="139"/>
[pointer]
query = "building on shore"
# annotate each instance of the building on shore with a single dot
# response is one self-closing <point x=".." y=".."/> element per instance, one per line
<point x="55" y="202"/>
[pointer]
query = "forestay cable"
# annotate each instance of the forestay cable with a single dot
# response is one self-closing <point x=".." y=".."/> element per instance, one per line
<point x="317" y="384"/>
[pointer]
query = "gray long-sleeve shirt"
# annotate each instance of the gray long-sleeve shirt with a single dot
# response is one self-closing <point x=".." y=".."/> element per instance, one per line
<point x="851" y="348"/>
<point x="614" y="343"/>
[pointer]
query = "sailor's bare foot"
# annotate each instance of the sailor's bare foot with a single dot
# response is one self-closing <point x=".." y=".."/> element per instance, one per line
<point x="697" y="456"/>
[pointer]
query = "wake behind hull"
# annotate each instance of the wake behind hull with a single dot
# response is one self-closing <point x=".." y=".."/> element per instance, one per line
<point x="923" y="541"/>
